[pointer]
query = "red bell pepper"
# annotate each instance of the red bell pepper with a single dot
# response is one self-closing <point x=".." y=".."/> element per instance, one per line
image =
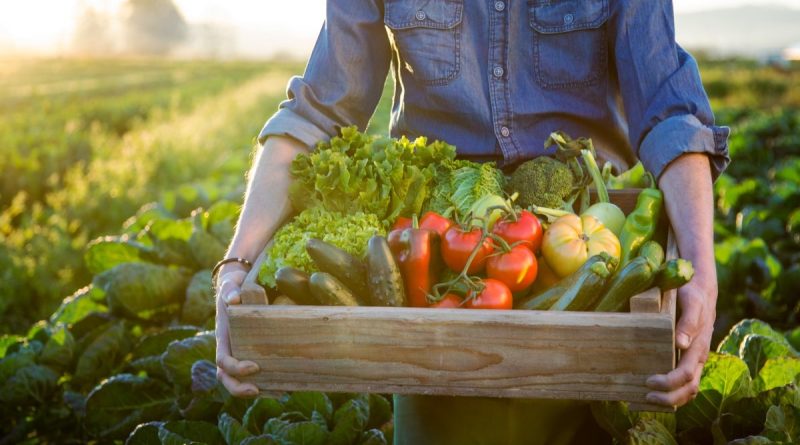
<point x="417" y="253"/>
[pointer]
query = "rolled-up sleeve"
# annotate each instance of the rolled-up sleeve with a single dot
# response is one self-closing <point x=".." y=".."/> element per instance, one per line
<point x="667" y="109"/>
<point x="344" y="78"/>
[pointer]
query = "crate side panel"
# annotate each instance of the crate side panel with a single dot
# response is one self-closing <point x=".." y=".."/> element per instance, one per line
<point x="456" y="352"/>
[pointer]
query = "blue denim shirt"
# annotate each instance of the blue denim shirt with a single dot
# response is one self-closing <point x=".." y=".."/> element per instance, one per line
<point x="495" y="77"/>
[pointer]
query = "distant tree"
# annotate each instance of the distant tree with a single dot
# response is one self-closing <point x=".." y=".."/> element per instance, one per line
<point x="152" y="27"/>
<point x="92" y="34"/>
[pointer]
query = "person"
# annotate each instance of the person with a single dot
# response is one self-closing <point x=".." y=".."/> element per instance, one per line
<point x="494" y="78"/>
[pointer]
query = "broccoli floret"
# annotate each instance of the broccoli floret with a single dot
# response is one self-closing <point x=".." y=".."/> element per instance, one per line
<point x="543" y="182"/>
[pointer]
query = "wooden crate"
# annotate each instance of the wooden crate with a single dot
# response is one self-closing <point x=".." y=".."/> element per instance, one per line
<point x="494" y="353"/>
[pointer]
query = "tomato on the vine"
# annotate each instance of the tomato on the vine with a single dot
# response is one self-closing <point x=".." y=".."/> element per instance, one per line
<point x="516" y="268"/>
<point x="450" y="301"/>
<point x="436" y="222"/>
<point x="457" y="246"/>
<point x="526" y="229"/>
<point x="495" y="295"/>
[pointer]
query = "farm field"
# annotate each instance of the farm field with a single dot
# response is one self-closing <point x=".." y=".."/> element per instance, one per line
<point x="104" y="161"/>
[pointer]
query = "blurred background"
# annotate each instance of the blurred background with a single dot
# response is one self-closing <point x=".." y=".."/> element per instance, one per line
<point x="120" y="118"/>
<point x="236" y="29"/>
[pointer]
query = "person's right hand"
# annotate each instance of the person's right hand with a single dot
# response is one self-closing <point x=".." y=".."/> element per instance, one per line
<point x="228" y="368"/>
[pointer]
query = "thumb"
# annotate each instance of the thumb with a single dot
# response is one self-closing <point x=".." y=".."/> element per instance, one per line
<point x="688" y="326"/>
<point x="233" y="296"/>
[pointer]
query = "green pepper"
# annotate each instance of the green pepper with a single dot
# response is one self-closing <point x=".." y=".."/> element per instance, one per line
<point x="640" y="225"/>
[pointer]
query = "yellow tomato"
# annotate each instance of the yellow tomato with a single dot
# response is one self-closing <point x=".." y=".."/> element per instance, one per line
<point x="573" y="239"/>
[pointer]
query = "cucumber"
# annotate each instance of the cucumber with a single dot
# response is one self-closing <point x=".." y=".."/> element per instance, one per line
<point x="584" y="291"/>
<point x="345" y="267"/>
<point x="637" y="276"/>
<point x="294" y="284"/>
<point x="385" y="281"/>
<point x="674" y="274"/>
<point x="330" y="291"/>
<point x="545" y="300"/>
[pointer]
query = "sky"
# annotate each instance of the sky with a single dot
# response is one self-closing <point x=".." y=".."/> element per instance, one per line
<point x="265" y="26"/>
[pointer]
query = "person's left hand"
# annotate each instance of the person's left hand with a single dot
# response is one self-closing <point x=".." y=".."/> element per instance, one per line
<point x="697" y="301"/>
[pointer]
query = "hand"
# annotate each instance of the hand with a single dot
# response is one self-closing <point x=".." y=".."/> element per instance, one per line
<point x="697" y="300"/>
<point x="228" y="368"/>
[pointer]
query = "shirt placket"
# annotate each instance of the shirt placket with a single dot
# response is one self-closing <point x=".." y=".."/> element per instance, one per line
<point x="498" y="80"/>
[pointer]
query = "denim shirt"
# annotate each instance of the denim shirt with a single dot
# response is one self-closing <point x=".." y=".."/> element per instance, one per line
<point x="496" y="77"/>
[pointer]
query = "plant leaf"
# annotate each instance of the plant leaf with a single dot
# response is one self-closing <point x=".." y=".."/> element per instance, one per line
<point x="731" y="344"/>
<point x="144" y="434"/>
<point x="725" y="380"/>
<point x="778" y="372"/>
<point x="262" y="409"/>
<point x="756" y="349"/>
<point x="307" y="402"/>
<point x="199" y="305"/>
<point x="233" y="431"/>
<point x="123" y="401"/>
<point x="177" y="432"/>
<point x="181" y="355"/>
<point x="349" y="421"/>
<point x="650" y="432"/>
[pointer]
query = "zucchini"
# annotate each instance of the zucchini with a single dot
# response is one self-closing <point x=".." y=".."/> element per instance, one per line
<point x="345" y="267"/>
<point x="584" y="291"/>
<point x="638" y="275"/>
<point x="330" y="291"/>
<point x="385" y="281"/>
<point x="546" y="299"/>
<point x="653" y="251"/>
<point x="674" y="274"/>
<point x="294" y="284"/>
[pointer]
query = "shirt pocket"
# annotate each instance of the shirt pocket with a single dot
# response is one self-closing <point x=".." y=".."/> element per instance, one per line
<point x="427" y="35"/>
<point x="570" y="46"/>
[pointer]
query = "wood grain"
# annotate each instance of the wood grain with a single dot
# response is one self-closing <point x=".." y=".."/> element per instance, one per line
<point x="529" y="354"/>
<point x="648" y="301"/>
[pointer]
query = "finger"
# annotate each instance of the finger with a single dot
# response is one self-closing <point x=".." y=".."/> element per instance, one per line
<point x="689" y="324"/>
<point x="229" y="290"/>
<point x="235" y="387"/>
<point x="683" y="373"/>
<point x="235" y="367"/>
<point x="679" y="396"/>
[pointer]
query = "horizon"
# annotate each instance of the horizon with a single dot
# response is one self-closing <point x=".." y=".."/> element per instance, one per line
<point x="240" y="29"/>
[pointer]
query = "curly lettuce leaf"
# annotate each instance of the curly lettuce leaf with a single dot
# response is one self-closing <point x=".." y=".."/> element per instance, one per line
<point x="355" y="172"/>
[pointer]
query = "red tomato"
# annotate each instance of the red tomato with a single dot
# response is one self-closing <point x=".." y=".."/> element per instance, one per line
<point x="450" y="301"/>
<point x="516" y="268"/>
<point x="402" y="223"/>
<point x="526" y="228"/>
<point x="495" y="295"/>
<point x="457" y="246"/>
<point x="436" y="222"/>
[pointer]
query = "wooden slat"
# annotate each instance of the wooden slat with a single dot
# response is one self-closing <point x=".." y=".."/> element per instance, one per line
<point x="252" y="292"/>
<point x="648" y="301"/>
<point x="530" y="354"/>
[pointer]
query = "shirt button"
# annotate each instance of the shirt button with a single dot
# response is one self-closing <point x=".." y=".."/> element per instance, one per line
<point x="505" y="132"/>
<point x="421" y="15"/>
<point x="498" y="71"/>
<point x="568" y="19"/>
<point x="499" y="6"/>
